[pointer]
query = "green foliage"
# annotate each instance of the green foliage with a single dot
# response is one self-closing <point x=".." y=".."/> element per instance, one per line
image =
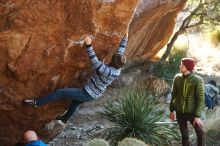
<point x="213" y="137"/>
<point x="213" y="134"/>
<point x="131" y="142"/>
<point x="204" y="12"/>
<point x="215" y="37"/>
<point x="199" y="13"/>
<point x="169" y="68"/>
<point x="96" y="142"/>
<point x="134" y="115"/>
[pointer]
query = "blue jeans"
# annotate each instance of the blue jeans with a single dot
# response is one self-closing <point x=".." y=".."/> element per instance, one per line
<point x="78" y="95"/>
<point x="209" y="101"/>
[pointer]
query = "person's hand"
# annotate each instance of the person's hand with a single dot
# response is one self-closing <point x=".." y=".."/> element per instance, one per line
<point x="126" y="33"/>
<point x="70" y="43"/>
<point x="197" y="121"/>
<point x="88" y="40"/>
<point x="172" y="116"/>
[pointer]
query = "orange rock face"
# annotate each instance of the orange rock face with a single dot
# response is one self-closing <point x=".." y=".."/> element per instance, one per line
<point x="37" y="55"/>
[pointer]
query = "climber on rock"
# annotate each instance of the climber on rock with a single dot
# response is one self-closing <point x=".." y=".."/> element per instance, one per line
<point x="103" y="76"/>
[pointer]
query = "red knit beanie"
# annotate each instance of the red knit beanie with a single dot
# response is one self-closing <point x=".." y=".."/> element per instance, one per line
<point x="189" y="63"/>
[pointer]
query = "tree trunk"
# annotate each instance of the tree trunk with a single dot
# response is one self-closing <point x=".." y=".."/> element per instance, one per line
<point x="184" y="26"/>
<point x="170" y="46"/>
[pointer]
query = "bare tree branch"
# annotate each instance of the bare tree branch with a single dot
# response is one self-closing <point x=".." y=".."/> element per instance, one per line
<point x="206" y="12"/>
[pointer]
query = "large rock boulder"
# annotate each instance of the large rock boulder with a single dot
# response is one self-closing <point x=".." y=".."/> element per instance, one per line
<point x="36" y="55"/>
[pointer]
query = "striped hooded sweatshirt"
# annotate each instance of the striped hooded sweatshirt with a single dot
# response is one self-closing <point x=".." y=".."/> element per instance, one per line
<point x="188" y="94"/>
<point x="104" y="74"/>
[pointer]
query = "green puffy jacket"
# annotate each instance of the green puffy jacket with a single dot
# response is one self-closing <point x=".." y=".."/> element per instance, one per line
<point x="188" y="94"/>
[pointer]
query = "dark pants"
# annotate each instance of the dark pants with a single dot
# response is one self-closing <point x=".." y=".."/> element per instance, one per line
<point x="182" y="120"/>
<point x="78" y="95"/>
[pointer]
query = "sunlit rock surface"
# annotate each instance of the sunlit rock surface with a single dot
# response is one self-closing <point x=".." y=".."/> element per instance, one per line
<point x="37" y="57"/>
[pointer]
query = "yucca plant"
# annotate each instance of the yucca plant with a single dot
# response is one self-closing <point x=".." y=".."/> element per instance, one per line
<point x="135" y="115"/>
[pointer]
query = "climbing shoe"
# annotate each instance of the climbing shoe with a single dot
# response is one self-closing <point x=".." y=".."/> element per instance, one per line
<point x="30" y="102"/>
<point x="60" y="122"/>
<point x="61" y="119"/>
